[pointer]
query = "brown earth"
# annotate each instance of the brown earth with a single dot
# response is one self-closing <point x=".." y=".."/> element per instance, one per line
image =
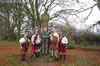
<point x="90" y="54"/>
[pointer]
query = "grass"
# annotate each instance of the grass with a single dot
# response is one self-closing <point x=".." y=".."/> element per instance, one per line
<point x="8" y="43"/>
<point x="10" y="60"/>
<point x="97" y="54"/>
<point x="78" y="61"/>
<point x="44" y="58"/>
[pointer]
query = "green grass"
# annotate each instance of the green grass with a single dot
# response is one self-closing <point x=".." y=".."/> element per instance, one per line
<point x="11" y="60"/>
<point x="8" y="43"/>
<point x="78" y="61"/>
<point x="44" y="58"/>
<point x="14" y="62"/>
<point x="97" y="54"/>
<point x="70" y="46"/>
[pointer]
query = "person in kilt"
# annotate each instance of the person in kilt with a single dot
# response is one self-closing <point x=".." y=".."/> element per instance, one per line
<point x="24" y="43"/>
<point x="63" y="41"/>
<point x="54" y="37"/>
<point x="36" y="43"/>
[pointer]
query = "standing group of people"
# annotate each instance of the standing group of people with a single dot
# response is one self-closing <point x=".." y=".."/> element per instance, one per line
<point x="45" y="42"/>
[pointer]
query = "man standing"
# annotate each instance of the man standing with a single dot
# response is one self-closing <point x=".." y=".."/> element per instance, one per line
<point x="44" y="41"/>
<point x="54" y="37"/>
<point x="24" y="42"/>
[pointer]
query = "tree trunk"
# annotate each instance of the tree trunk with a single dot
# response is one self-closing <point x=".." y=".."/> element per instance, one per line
<point x="38" y="17"/>
<point x="19" y="24"/>
<point x="8" y="26"/>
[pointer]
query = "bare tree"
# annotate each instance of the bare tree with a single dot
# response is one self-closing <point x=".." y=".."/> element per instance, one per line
<point x="12" y="16"/>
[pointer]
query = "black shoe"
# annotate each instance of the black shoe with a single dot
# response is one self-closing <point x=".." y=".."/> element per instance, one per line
<point x="51" y="56"/>
<point x="42" y="54"/>
<point x="31" y="57"/>
<point x="45" y="54"/>
<point x="56" y="59"/>
<point x="23" y="60"/>
<point x="38" y="54"/>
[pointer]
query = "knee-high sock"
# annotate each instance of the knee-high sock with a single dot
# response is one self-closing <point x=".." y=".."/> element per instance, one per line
<point x="22" y="56"/>
<point x="64" y="57"/>
<point x="52" y="52"/>
<point x="60" y="57"/>
<point x="38" y="54"/>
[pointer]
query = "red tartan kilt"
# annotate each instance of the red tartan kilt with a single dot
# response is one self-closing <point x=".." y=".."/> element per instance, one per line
<point x="53" y="46"/>
<point x="37" y="47"/>
<point x="59" y="49"/>
<point x="63" y="49"/>
<point x="24" y="49"/>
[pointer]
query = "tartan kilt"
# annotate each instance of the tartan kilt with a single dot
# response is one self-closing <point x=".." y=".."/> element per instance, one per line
<point x="63" y="48"/>
<point x="59" y="49"/>
<point x="24" y="49"/>
<point x="53" y="46"/>
<point x="37" y="47"/>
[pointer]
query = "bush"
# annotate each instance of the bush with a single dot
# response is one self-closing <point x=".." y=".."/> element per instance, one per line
<point x="70" y="46"/>
<point x="4" y="38"/>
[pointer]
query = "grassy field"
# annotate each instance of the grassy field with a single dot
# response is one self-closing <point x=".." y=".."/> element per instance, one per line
<point x="9" y="52"/>
<point x="10" y="55"/>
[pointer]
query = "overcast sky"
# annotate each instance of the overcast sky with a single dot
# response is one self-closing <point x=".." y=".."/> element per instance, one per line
<point x="93" y="18"/>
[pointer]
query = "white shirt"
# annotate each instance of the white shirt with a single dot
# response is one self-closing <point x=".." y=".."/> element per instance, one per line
<point x="38" y="39"/>
<point x="22" y="40"/>
<point x="64" y="40"/>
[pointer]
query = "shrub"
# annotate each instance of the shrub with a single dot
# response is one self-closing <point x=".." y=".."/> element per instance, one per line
<point x="70" y="46"/>
<point x="4" y="38"/>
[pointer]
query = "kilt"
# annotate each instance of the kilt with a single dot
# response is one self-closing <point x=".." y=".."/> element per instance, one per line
<point x="59" y="49"/>
<point x="63" y="48"/>
<point x="53" y="46"/>
<point x="37" y="47"/>
<point x="59" y="45"/>
<point x="24" y="50"/>
<point x="25" y="47"/>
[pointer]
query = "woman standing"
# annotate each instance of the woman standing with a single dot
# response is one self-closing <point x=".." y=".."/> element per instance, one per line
<point x="62" y="47"/>
<point x="36" y="43"/>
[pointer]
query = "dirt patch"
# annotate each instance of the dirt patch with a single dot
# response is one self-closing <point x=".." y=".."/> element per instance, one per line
<point x="45" y="64"/>
<point x="39" y="63"/>
<point x="90" y="54"/>
<point x="9" y="49"/>
<point x="69" y="59"/>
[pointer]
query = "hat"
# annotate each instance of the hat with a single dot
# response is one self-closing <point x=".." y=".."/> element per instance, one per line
<point x="60" y="32"/>
<point x="37" y="30"/>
